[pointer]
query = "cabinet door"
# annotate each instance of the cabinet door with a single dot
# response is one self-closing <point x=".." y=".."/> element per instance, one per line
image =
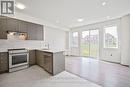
<point x="12" y="24"/>
<point x="39" y="32"/>
<point x="23" y="26"/>
<point x="32" y="57"/>
<point x="32" y="31"/>
<point x="39" y="57"/>
<point x="3" y="62"/>
<point x="35" y="31"/>
<point x="48" y="62"/>
<point x="3" y="29"/>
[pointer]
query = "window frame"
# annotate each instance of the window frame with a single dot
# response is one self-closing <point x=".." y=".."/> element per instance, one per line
<point x="72" y="44"/>
<point x="104" y="45"/>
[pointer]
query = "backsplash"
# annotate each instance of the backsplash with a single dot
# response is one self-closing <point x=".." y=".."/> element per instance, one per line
<point x="28" y="44"/>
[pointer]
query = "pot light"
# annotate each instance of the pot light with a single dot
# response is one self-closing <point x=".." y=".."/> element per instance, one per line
<point x="57" y="21"/>
<point x="20" y="6"/>
<point x="104" y="3"/>
<point x="108" y="17"/>
<point x="80" y="20"/>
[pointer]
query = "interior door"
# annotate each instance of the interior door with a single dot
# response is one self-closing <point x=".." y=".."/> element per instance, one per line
<point x="85" y="44"/>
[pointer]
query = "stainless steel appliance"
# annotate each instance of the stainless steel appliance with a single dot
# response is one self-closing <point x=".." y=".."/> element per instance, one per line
<point x="18" y="59"/>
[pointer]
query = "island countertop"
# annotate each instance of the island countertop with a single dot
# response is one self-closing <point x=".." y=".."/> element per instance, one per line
<point x="51" y="51"/>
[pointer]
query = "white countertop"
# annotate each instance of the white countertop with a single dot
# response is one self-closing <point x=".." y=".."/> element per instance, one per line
<point x="52" y="51"/>
<point x="47" y="50"/>
<point x="3" y="50"/>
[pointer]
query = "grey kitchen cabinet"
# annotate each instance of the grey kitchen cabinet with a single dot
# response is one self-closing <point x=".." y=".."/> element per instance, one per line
<point x="48" y="62"/>
<point x="39" y="32"/>
<point x="3" y="29"/>
<point x="39" y="58"/>
<point x="44" y="59"/>
<point x="3" y="62"/>
<point x="12" y="24"/>
<point x="34" y="31"/>
<point x="31" y="31"/>
<point x="53" y="63"/>
<point x="23" y="26"/>
<point x="32" y="57"/>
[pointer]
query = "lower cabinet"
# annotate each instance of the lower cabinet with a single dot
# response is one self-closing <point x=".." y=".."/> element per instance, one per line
<point x="53" y="63"/>
<point x="45" y="60"/>
<point x="48" y="62"/>
<point x="39" y="58"/>
<point x="3" y="62"/>
<point x="32" y="57"/>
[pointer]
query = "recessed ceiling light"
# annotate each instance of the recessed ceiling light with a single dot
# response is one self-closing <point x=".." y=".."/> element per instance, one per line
<point x="104" y="3"/>
<point x="108" y="17"/>
<point x="80" y="20"/>
<point x="20" y="6"/>
<point x="57" y="21"/>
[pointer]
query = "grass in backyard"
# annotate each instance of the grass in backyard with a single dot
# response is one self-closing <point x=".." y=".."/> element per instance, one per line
<point x="94" y="48"/>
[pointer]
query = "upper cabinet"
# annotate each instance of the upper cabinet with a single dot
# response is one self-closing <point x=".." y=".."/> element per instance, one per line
<point x="12" y="24"/>
<point x="23" y="26"/>
<point x="34" y="31"/>
<point x="39" y="29"/>
<point x="3" y="27"/>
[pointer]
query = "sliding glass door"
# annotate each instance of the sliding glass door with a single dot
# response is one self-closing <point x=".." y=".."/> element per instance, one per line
<point x="85" y="44"/>
<point x="90" y="43"/>
<point x="94" y="43"/>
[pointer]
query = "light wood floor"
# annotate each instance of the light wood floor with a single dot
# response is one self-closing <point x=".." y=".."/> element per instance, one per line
<point x="103" y="73"/>
<point x="36" y="76"/>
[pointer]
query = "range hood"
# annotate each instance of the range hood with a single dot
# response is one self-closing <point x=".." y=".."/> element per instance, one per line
<point x="13" y="35"/>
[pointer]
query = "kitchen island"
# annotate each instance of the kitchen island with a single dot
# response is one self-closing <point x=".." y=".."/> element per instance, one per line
<point x="51" y="61"/>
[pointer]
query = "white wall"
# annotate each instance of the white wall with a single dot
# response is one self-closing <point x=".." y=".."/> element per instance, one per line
<point x="125" y="40"/>
<point x="56" y="38"/>
<point x="112" y="55"/>
<point x="105" y="54"/>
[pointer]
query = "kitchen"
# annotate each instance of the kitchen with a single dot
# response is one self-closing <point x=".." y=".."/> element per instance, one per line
<point x="25" y="40"/>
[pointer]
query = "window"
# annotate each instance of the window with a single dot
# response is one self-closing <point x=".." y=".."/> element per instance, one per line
<point x="110" y="37"/>
<point x="75" y="39"/>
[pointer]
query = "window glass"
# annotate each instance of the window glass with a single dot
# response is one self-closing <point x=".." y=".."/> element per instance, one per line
<point x="75" y="39"/>
<point x="110" y="37"/>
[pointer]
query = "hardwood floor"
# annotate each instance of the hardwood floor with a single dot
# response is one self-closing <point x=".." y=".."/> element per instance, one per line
<point x="103" y="73"/>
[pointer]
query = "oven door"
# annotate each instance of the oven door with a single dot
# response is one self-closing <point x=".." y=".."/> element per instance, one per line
<point x="16" y="60"/>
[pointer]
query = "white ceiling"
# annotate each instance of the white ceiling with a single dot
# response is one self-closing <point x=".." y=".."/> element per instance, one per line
<point x="66" y="12"/>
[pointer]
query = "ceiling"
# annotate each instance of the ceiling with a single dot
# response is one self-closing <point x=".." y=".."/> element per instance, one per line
<point x="66" y="12"/>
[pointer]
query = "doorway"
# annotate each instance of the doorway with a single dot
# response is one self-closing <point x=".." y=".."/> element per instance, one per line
<point x="90" y="43"/>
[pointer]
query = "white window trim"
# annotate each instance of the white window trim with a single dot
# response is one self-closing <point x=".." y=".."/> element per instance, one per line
<point x="72" y="46"/>
<point x="104" y="46"/>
